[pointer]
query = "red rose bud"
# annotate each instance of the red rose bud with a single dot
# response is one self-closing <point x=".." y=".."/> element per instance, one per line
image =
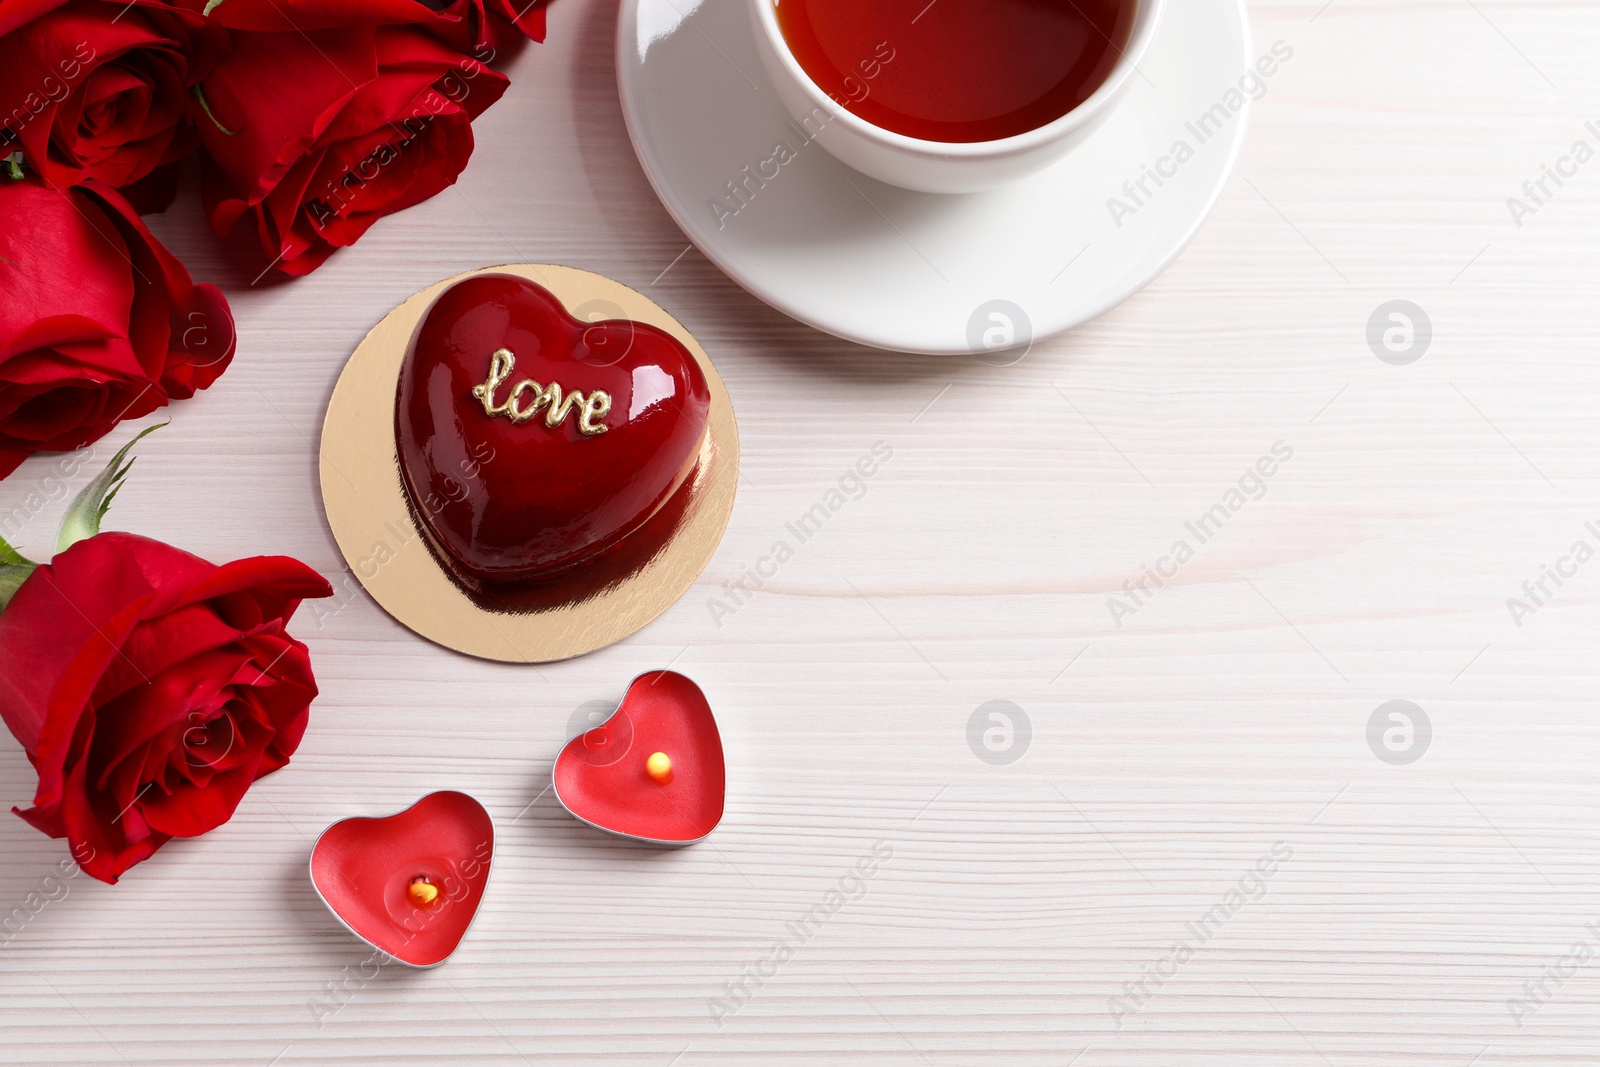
<point x="98" y="321"/>
<point x="100" y="90"/>
<point x="314" y="135"/>
<point x="148" y="687"/>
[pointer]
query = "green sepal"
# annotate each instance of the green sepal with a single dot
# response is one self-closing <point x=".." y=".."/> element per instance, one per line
<point x="83" y="516"/>
<point x="10" y="557"/>
<point x="11" y="579"/>
<point x="12" y="166"/>
<point x="14" y="570"/>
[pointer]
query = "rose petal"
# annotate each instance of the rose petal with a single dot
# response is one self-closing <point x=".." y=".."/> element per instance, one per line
<point x="156" y="191"/>
<point x="101" y="92"/>
<point x="64" y="265"/>
<point x="15" y="13"/>
<point x="292" y="16"/>
<point x="120" y="778"/>
<point x="271" y="127"/>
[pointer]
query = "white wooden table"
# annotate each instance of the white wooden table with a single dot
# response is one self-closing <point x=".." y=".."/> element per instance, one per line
<point x="1023" y="901"/>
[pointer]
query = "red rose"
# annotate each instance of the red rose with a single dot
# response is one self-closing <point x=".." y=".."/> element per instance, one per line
<point x="476" y="26"/>
<point x="490" y="28"/>
<point x="101" y="90"/>
<point x="14" y="13"/>
<point x="525" y="15"/>
<point x="150" y="689"/>
<point x="98" y="322"/>
<point x="317" y="133"/>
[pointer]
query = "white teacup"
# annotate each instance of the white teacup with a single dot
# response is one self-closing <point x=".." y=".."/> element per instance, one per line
<point x="940" y="166"/>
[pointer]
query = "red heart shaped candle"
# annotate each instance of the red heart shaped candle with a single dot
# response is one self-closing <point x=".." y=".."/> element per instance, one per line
<point x="530" y="441"/>
<point x="654" y="770"/>
<point x="408" y="884"/>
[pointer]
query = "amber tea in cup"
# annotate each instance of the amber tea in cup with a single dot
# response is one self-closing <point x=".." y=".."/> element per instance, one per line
<point x="957" y="71"/>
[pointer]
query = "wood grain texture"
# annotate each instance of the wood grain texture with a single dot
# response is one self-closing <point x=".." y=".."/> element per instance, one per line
<point x="1167" y="755"/>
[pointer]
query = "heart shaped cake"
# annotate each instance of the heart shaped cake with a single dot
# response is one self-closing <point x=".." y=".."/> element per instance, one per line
<point x="408" y="884"/>
<point x="529" y="441"/>
<point x="654" y="770"/>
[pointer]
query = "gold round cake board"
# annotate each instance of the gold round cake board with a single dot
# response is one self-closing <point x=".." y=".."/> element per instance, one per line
<point x="371" y="521"/>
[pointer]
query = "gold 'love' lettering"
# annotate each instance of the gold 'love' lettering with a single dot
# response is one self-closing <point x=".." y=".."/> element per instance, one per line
<point x="550" y="399"/>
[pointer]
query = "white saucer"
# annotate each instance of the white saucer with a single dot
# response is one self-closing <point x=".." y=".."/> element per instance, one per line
<point x="921" y="272"/>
